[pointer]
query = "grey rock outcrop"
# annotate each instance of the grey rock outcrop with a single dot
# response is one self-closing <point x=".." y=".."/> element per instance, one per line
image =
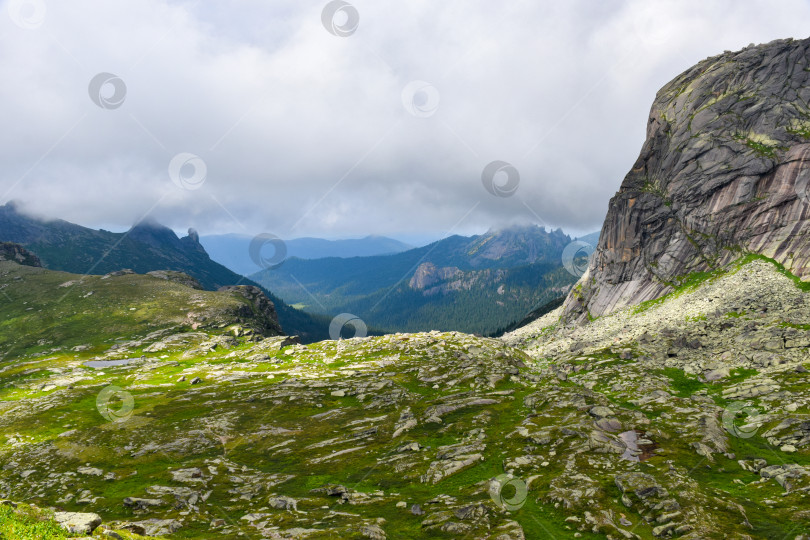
<point x="724" y="171"/>
<point x="259" y="313"/>
<point x="10" y="251"/>
<point x="77" y="522"/>
<point x="177" y="277"/>
<point x="428" y="274"/>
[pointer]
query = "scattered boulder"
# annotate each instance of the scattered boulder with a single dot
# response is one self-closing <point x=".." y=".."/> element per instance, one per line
<point x="283" y="503"/>
<point x="601" y="412"/>
<point x="137" y="503"/>
<point x="78" y="522"/>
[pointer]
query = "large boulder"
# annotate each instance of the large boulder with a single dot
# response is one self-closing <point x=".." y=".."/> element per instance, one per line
<point x="78" y="522"/>
<point x="724" y="171"/>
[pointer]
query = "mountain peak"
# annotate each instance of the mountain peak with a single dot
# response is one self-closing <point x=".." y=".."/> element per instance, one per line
<point x="17" y="209"/>
<point x="148" y="223"/>
<point x="154" y="234"/>
<point x="12" y="206"/>
<point x="192" y="242"/>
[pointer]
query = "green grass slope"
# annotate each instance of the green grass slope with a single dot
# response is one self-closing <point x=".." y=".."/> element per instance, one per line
<point x="43" y="310"/>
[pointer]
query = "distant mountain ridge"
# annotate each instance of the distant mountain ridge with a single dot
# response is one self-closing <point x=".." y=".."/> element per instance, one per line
<point x="475" y="284"/>
<point x="148" y="246"/>
<point x="233" y="250"/>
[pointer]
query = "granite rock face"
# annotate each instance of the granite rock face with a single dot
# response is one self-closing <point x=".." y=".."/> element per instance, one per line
<point x="724" y="171"/>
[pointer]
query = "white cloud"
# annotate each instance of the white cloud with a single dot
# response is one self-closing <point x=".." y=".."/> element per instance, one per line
<point x="304" y="132"/>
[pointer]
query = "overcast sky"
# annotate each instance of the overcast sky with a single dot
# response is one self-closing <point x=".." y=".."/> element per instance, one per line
<point x="303" y="124"/>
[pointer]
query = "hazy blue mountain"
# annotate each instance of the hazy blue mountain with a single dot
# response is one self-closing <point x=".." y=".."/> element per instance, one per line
<point x="232" y="250"/>
<point x="148" y="246"/>
<point x="473" y="284"/>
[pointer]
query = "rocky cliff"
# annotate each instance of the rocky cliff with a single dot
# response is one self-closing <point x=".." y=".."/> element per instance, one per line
<point x="724" y="171"/>
<point x="428" y="274"/>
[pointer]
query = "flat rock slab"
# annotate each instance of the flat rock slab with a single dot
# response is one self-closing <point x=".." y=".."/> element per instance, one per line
<point x="78" y="522"/>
